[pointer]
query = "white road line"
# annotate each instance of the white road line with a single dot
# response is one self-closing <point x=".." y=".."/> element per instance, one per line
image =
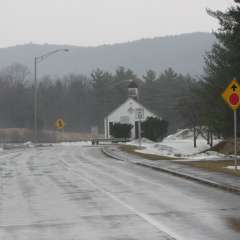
<point x="169" y="234"/>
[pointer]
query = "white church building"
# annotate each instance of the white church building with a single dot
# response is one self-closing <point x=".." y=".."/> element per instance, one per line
<point x="128" y="113"/>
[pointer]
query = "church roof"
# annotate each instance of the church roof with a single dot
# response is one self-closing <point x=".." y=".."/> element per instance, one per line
<point x="131" y="99"/>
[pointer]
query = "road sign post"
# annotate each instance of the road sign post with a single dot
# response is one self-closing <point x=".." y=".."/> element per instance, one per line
<point x="139" y="133"/>
<point x="232" y="97"/>
<point x="139" y="116"/>
<point x="60" y="124"/>
<point x="235" y="139"/>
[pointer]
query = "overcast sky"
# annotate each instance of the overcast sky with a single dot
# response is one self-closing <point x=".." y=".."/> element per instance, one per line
<point x="94" y="22"/>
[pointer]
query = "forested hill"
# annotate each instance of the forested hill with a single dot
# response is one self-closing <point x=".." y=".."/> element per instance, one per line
<point x="184" y="53"/>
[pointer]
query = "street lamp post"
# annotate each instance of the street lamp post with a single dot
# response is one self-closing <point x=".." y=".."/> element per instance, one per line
<point x="37" y="60"/>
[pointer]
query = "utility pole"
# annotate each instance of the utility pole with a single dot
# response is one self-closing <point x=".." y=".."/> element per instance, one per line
<point x="235" y="139"/>
<point x="139" y="133"/>
<point x="139" y="117"/>
<point x="35" y="100"/>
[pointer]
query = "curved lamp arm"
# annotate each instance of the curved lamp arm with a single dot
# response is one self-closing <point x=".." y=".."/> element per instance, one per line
<point x="43" y="57"/>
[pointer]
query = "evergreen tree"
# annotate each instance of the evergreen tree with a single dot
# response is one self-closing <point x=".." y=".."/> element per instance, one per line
<point x="100" y="82"/>
<point x="154" y="128"/>
<point x="162" y="93"/>
<point x="222" y="65"/>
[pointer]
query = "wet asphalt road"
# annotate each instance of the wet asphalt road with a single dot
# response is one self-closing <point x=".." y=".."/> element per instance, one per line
<point x="77" y="193"/>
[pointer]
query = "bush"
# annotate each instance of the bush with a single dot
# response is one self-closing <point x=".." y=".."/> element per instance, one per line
<point x="154" y="128"/>
<point x="119" y="130"/>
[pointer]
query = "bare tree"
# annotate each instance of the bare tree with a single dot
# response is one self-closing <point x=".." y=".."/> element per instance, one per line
<point x="16" y="73"/>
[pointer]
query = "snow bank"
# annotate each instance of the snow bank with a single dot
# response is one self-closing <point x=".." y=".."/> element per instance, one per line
<point x="82" y="143"/>
<point x="144" y="141"/>
<point x="28" y="144"/>
<point x="178" y="145"/>
<point x="233" y="167"/>
<point x="206" y="156"/>
<point x="181" y="134"/>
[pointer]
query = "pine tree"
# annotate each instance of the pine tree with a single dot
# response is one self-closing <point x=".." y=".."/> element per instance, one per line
<point x="221" y="66"/>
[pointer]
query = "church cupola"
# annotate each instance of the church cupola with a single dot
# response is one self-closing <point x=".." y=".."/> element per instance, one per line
<point x="133" y="90"/>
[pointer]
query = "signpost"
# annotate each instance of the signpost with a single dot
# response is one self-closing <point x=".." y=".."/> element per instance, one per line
<point x="60" y="124"/>
<point x="232" y="97"/>
<point x="139" y="115"/>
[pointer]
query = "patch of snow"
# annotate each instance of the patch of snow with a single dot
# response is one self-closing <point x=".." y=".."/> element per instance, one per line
<point x="178" y="145"/>
<point x="232" y="167"/>
<point x="180" y="134"/>
<point x="175" y="148"/>
<point x="28" y="144"/>
<point x="82" y="143"/>
<point x="206" y="156"/>
<point x="144" y="140"/>
<point x="158" y="149"/>
<point x="186" y="134"/>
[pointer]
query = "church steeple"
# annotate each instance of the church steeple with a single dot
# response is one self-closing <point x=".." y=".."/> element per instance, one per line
<point x="133" y="90"/>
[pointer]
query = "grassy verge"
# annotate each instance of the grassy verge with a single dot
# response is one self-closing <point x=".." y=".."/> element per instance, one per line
<point x="234" y="224"/>
<point x="215" y="166"/>
<point x="131" y="149"/>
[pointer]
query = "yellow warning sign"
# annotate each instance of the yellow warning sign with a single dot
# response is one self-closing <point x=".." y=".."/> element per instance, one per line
<point x="232" y="95"/>
<point x="60" y="124"/>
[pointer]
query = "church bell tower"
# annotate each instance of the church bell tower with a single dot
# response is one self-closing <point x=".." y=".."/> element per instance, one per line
<point x="133" y="91"/>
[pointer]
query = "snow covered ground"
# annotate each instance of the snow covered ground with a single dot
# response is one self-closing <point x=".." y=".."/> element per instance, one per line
<point x="178" y="145"/>
<point x="82" y="143"/>
<point x="233" y="167"/>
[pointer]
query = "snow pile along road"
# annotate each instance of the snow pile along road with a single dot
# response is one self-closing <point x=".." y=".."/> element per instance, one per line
<point x="82" y="143"/>
<point x="181" y="145"/>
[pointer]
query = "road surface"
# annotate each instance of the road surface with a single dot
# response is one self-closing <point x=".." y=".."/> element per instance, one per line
<point x="77" y="193"/>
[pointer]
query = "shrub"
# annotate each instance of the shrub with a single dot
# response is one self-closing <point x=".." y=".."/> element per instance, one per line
<point x="154" y="128"/>
<point x="119" y="130"/>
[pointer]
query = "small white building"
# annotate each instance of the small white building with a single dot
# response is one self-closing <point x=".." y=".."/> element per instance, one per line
<point x="126" y="113"/>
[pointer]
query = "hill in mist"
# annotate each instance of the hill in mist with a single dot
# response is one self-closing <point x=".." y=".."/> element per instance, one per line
<point x="184" y="53"/>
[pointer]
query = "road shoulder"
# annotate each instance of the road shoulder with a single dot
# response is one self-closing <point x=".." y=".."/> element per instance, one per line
<point x="214" y="179"/>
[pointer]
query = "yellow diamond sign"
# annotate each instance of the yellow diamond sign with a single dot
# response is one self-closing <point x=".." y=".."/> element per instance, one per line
<point x="232" y="95"/>
<point x="60" y="124"/>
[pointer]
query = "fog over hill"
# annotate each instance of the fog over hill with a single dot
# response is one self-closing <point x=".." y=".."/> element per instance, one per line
<point x="184" y="53"/>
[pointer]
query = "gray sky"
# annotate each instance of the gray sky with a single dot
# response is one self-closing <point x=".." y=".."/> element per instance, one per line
<point x="94" y="22"/>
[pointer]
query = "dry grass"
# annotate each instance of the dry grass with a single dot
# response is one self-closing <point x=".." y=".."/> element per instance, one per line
<point x="226" y="146"/>
<point x="234" y="224"/>
<point x="131" y="149"/>
<point x="15" y="135"/>
<point x="71" y="136"/>
<point x="215" y="166"/>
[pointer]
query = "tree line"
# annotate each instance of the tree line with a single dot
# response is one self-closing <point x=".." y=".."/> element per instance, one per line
<point x="83" y="101"/>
